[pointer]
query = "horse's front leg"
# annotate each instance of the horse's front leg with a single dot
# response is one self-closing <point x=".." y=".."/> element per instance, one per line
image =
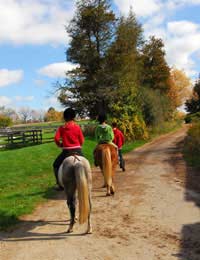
<point x="71" y="202"/>
<point x="112" y="189"/>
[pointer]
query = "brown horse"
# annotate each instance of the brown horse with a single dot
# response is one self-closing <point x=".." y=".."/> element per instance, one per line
<point x="75" y="174"/>
<point x="106" y="157"/>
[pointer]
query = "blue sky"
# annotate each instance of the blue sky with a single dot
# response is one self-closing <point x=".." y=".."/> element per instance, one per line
<point x="33" y="42"/>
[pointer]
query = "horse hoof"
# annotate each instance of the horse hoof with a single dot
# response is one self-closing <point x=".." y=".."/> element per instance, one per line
<point x="70" y="229"/>
<point x="89" y="231"/>
<point x="108" y="194"/>
<point x="112" y="190"/>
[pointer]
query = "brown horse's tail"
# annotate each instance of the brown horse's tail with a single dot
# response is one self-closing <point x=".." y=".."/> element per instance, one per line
<point x="107" y="166"/>
<point x="83" y="192"/>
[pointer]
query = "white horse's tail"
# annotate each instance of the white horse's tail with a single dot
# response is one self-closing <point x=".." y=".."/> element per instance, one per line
<point x="83" y="192"/>
<point x="107" y="166"/>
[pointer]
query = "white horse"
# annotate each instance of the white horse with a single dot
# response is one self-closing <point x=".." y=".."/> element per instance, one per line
<point x="75" y="174"/>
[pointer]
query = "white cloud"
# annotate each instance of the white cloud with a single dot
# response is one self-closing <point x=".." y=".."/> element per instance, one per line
<point x="52" y="102"/>
<point x="4" y="101"/>
<point x="39" y="82"/>
<point x="56" y="70"/>
<point x="182" y="42"/>
<point x="34" y="21"/>
<point x="140" y="7"/>
<point x="8" y="77"/>
<point x="23" y="98"/>
<point x="181" y="28"/>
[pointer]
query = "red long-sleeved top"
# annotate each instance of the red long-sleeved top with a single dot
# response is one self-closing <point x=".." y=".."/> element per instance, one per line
<point x="69" y="136"/>
<point x="118" y="138"/>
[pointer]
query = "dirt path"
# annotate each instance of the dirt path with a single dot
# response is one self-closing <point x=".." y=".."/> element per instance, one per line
<point x="153" y="215"/>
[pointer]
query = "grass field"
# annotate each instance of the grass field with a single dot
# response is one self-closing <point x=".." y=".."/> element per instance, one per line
<point x="27" y="178"/>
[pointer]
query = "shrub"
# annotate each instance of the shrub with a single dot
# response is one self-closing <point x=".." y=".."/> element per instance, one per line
<point x="133" y="128"/>
<point x="192" y="144"/>
<point x="5" y="121"/>
<point x="192" y="118"/>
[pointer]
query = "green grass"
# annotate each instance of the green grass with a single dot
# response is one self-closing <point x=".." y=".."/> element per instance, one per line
<point x="27" y="178"/>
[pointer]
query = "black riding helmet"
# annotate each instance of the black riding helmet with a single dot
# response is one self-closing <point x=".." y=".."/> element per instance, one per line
<point x="69" y="114"/>
<point x="102" y="118"/>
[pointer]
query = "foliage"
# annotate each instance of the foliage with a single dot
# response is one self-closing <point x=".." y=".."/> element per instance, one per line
<point x="165" y="127"/>
<point x="134" y="128"/>
<point x="156" y="71"/>
<point x="124" y="67"/>
<point x="179" y="85"/>
<point x="53" y="115"/>
<point x="192" y="145"/>
<point x="193" y="104"/>
<point x="118" y="72"/>
<point x="189" y="118"/>
<point x="155" y="106"/>
<point x="5" y="121"/>
<point x="91" y="33"/>
<point x="123" y="60"/>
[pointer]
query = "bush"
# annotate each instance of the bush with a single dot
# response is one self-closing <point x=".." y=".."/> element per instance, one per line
<point x="192" y="118"/>
<point x="5" y="121"/>
<point x="192" y="145"/>
<point x="133" y="128"/>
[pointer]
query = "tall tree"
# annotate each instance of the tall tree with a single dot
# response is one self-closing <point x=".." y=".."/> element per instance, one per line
<point x="156" y="70"/>
<point x="91" y="33"/>
<point x="123" y="67"/>
<point x="155" y="83"/>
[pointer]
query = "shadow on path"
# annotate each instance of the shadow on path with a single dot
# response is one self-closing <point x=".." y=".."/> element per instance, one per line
<point x="190" y="178"/>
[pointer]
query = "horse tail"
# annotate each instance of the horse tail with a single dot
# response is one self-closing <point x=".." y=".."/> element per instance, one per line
<point x="83" y="192"/>
<point x="107" y="166"/>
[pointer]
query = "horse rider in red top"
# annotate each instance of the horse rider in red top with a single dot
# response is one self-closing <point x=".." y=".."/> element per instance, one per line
<point x="69" y="138"/>
<point x="119" y="141"/>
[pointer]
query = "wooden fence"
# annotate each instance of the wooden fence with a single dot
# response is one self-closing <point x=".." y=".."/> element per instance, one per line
<point x="13" y="138"/>
<point x="27" y="135"/>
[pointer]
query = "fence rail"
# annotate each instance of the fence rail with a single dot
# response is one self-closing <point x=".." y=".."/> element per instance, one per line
<point x="14" y="138"/>
<point x="27" y="135"/>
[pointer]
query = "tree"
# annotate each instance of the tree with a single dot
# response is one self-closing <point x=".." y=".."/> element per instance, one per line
<point x="156" y="71"/>
<point x="91" y="33"/>
<point x="53" y="115"/>
<point x="179" y="89"/>
<point x="25" y="113"/>
<point x="5" y="121"/>
<point x="9" y="112"/>
<point x="193" y="104"/>
<point x="124" y="67"/>
<point x="155" y="106"/>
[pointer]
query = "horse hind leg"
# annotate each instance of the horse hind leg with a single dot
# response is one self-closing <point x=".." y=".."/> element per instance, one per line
<point x="72" y="208"/>
<point x="89" y="227"/>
